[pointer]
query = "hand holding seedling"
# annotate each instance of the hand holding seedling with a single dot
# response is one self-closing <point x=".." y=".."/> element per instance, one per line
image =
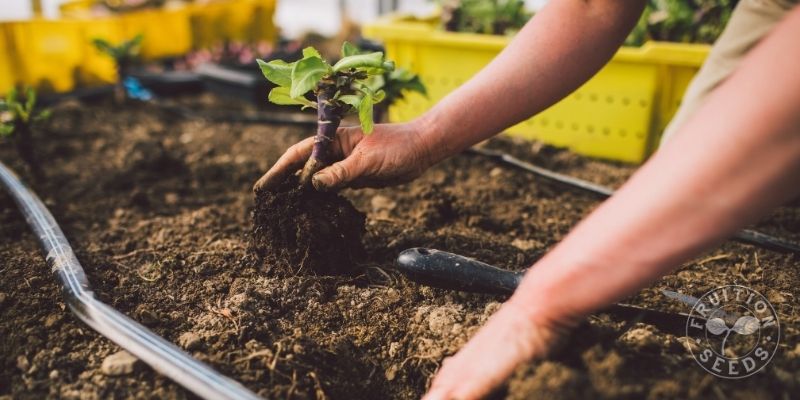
<point x="349" y="86"/>
<point x="392" y="154"/>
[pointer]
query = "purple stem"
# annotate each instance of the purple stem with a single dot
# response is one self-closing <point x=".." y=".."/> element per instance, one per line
<point x="328" y="119"/>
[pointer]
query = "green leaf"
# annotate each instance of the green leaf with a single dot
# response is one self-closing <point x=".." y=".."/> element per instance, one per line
<point x="30" y="99"/>
<point x="43" y="116"/>
<point x="11" y="98"/>
<point x="365" y="114"/>
<point x="278" y="72"/>
<point x="130" y="47"/>
<point x="306" y="74"/>
<point x="414" y="85"/>
<point x="6" y="129"/>
<point x="351" y="99"/>
<point x="349" y="49"/>
<point x="379" y="96"/>
<point x="309" y="52"/>
<point x="104" y="46"/>
<point x="371" y="60"/>
<point x="280" y="95"/>
<point x="375" y="82"/>
<point x="19" y="111"/>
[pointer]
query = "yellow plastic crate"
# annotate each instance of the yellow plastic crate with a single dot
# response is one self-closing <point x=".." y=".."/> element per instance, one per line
<point x="234" y="20"/>
<point x="166" y="32"/>
<point x="76" y="8"/>
<point x="618" y="114"/>
<point x="57" y="55"/>
<point x="43" y="53"/>
<point x="6" y="69"/>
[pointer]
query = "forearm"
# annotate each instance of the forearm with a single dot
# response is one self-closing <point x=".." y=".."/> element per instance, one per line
<point x="556" y="52"/>
<point x="737" y="158"/>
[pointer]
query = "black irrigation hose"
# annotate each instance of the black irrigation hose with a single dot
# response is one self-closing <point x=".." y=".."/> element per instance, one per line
<point x="160" y="354"/>
<point x="748" y="236"/>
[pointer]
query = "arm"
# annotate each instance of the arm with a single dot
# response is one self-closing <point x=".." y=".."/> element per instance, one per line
<point x="556" y="52"/>
<point x="737" y="158"/>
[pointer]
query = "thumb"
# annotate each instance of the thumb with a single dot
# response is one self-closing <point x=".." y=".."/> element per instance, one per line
<point x="338" y="175"/>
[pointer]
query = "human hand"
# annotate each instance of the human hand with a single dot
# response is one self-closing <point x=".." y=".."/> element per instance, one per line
<point x="391" y="155"/>
<point x="513" y="335"/>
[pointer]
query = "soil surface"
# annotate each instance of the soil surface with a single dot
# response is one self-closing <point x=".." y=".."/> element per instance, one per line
<point x="158" y="209"/>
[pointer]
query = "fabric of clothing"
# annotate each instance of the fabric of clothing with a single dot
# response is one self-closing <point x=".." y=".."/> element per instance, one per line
<point x="750" y="22"/>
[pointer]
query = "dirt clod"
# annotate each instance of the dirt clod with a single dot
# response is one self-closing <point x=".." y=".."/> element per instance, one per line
<point x="119" y="363"/>
<point x="190" y="341"/>
<point x="298" y="229"/>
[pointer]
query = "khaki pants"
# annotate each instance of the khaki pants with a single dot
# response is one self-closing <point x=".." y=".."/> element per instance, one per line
<point x="749" y="23"/>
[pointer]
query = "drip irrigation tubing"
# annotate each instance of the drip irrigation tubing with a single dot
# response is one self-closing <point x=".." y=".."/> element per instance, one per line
<point x="748" y="236"/>
<point x="155" y="351"/>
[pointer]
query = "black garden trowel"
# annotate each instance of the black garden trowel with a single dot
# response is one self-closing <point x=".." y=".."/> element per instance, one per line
<point x="445" y="270"/>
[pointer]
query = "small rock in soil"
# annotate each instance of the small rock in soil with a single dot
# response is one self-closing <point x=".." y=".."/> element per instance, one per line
<point x="190" y="341"/>
<point x="640" y="338"/>
<point x="22" y="363"/>
<point x="525" y="245"/>
<point x="382" y="203"/>
<point x="51" y="320"/>
<point x="119" y="363"/>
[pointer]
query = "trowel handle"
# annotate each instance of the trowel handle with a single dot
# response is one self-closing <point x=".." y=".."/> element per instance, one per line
<point x="452" y="271"/>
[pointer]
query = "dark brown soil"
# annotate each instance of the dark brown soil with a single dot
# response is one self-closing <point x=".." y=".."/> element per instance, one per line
<point x="159" y="212"/>
<point x="297" y="229"/>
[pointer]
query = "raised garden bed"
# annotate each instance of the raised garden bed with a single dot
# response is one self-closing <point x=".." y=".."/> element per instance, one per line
<point x="158" y="211"/>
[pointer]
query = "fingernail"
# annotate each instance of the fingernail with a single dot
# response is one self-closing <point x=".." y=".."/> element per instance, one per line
<point x="321" y="181"/>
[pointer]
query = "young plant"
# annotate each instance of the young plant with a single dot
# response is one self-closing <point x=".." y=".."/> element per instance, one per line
<point x="397" y="84"/>
<point x="693" y="21"/>
<point x="334" y="90"/>
<point x="491" y="17"/>
<point x="17" y="119"/>
<point x="124" y="54"/>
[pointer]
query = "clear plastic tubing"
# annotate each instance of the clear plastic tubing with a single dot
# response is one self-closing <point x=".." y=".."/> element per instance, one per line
<point x="158" y="353"/>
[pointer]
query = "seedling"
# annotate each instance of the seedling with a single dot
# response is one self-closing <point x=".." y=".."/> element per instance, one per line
<point x="492" y="17"/>
<point x="124" y="54"/>
<point x="334" y="90"/>
<point x="17" y="119"/>
<point x="696" y="21"/>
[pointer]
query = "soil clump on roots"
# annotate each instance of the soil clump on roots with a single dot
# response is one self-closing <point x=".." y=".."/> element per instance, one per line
<point x="301" y="230"/>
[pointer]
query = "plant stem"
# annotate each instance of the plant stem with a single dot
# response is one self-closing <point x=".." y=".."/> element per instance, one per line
<point x="23" y="139"/>
<point x="328" y="118"/>
<point x="120" y="94"/>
